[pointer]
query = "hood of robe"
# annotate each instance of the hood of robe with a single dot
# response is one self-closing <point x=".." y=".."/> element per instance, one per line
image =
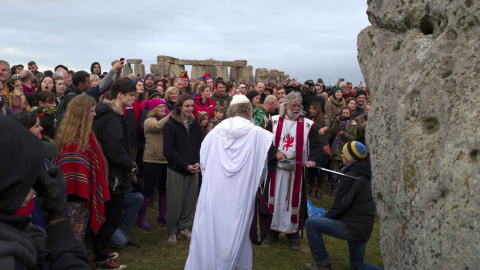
<point x="236" y="135"/>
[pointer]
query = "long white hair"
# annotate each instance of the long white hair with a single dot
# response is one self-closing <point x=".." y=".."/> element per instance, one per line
<point x="291" y="97"/>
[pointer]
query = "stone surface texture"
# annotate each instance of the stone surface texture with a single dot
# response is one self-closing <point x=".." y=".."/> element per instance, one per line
<point x="261" y="75"/>
<point x="138" y="69"/>
<point x="222" y="71"/>
<point x="175" y="70"/>
<point x="421" y="61"/>
<point x="134" y="61"/>
<point x="197" y="72"/>
<point x="127" y="69"/>
<point x="274" y="74"/>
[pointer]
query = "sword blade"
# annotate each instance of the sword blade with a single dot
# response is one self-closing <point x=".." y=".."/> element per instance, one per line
<point x="327" y="170"/>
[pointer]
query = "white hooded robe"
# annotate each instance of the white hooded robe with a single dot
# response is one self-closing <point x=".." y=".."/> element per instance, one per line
<point x="232" y="158"/>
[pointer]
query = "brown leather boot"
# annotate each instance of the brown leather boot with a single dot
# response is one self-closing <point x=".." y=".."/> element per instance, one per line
<point x="319" y="193"/>
<point x="313" y="190"/>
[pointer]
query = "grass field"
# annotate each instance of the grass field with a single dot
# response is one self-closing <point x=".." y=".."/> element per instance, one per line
<point x="155" y="253"/>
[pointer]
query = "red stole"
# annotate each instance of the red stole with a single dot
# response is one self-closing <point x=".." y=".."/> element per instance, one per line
<point x="298" y="168"/>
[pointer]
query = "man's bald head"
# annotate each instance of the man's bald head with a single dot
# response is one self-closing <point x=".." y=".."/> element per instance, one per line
<point x="270" y="103"/>
<point x="25" y="75"/>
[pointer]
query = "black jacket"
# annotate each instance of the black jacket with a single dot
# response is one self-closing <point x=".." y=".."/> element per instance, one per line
<point x="112" y="132"/>
<point x="71" y="88"/>
<point x="181" y="148"/>
<point x="354" y="204"/>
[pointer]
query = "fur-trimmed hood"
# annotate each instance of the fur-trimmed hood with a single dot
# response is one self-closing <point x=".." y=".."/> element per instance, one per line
<point x="105" y="107"/>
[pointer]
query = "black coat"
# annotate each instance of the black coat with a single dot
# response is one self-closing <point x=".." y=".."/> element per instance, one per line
<point x="353" y="203"/>
<point x="112" y="132"/>
<point x="181" y="148"/>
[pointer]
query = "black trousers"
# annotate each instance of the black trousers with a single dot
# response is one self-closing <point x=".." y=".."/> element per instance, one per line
<point x="113" y="215"/>
<point x="153" y="174"/>
<point x="317" y="176"/>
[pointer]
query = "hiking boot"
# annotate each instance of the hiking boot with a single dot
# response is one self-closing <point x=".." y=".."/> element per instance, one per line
<point x="172" y="239"/>
<point x="313" y="266"/>
<point x="270" y="240"/>
<point x="294" y="246"/>
<point x="110" y="264"/>
<point x="185" y="233"/>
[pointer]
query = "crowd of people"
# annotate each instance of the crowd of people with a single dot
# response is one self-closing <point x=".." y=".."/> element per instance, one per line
<point x="125" y="140"/>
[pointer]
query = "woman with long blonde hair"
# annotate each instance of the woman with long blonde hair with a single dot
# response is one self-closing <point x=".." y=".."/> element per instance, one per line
<point x="84" y="166"/>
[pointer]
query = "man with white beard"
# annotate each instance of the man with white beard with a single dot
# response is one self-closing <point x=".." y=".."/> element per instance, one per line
<point x="232" y="160"/>
<point x="297" y="143"/>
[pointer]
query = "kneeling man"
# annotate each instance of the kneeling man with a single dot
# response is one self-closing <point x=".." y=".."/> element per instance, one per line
<point x="352" y="215"/>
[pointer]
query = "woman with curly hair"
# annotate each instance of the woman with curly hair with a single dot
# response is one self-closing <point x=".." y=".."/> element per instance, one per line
<point x="85" y="167"/>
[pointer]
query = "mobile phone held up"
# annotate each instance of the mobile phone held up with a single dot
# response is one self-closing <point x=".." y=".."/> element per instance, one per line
<point x="342" y="79"/>
<point x="122" y="60"/>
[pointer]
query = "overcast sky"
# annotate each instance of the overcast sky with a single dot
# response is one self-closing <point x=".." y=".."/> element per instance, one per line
<point x="305" y="39"/>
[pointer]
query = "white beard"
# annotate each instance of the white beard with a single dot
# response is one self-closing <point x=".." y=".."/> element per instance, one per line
<point x="292" y="115"/>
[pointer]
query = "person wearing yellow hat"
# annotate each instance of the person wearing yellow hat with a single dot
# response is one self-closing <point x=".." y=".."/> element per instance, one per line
<point x="352" y="215"/>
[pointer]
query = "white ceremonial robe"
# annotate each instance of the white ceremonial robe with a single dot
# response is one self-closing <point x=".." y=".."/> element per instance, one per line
<point x="232" y="158"/>
<point x="283" y="211"/>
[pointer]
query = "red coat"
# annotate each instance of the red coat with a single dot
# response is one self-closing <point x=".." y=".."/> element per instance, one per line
<point x="205" y="107"/>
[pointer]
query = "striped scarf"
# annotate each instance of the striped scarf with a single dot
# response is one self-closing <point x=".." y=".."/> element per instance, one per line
<point x="86" y="176"/>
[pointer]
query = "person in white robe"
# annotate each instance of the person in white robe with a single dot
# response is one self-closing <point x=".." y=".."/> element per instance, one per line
<point x="232" y="159"/>
<point x="296" y="144"/>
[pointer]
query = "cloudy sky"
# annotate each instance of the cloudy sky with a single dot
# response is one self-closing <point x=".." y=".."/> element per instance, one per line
<point x="307" y="39"/>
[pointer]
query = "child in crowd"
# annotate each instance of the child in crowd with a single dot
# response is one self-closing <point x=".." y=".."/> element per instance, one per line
<point x="203" y="118"/>
<point x="218" y="112"/>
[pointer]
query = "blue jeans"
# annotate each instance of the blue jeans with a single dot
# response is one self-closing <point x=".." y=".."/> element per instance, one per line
<point x="131" y="204"/>
<point x="292" y="237"/>
<point x="317" y="226"/>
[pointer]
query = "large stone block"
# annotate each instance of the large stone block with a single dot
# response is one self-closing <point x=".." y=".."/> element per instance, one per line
<point x="168" y="59"/>
<point x="138" y="69"/>
<point x="197" y="72"/>
<point x="261" y="75"/>
<point x="211" y="70"/>
<point x="245" y="74"/>
<point x="127" y="69"/>
<point x="134" y="61"/>
<point x="175" y="70"/>
<point x="273" y="75"/>
<point x="421" y="61"/>
<point x="282" y="76"/>
<point x="222" y="71"/>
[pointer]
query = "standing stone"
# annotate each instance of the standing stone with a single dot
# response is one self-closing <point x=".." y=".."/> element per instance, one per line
<point x="175" y="70"/>
<point x="138" y="69"/>
<point x="211" y="70"/>
<point x="222" y="71"/>
<point x="234" y="73"/>
<point x="127" y="70"/>
<point x="281" y="78"/>
<point x="421" y="63"/>
<point x="155" y="68"/>
<point x="197" y="72"/>
<point x="246" y="73"/>
<point x="261" y="75"/>
<point x="273" y="74"/>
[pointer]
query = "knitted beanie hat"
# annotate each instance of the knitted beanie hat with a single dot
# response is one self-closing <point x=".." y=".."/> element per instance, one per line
<point x="354" y="151"/>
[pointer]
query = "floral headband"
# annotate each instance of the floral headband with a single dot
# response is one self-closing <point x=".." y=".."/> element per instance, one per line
<point x="45" y="111"/>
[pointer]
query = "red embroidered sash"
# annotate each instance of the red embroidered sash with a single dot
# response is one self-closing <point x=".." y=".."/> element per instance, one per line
<point x="298" y="168"/>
